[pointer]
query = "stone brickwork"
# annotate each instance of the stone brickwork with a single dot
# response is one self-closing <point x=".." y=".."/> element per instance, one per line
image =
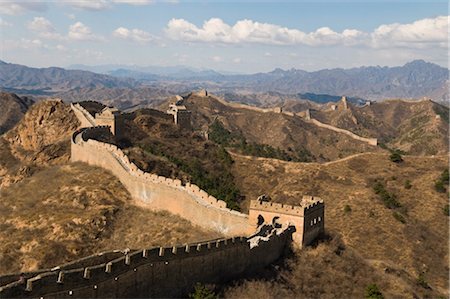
<point x="109" y="116"/>
<point x="157" y="192"/>
<point x="308" y="218"/>
<point x="181" y="116"/>
<point x="161" y="272"/>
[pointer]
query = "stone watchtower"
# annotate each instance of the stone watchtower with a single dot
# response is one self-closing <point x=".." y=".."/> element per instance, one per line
<point x="181" y="116"/>
<point x="110" y="116"/>
<point x="308" y="218"/>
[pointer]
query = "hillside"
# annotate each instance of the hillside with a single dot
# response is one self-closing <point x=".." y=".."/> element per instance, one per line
<point x="53" y="211"/>
<point x="294" y="136"/>
<point x="43" y="135"/>
<point x="416" y="127"/>
<point x="13" y="109"/>
<point x="66" y="212"/>
<point x="155" y="144"/>
<point x="378" y="246"/>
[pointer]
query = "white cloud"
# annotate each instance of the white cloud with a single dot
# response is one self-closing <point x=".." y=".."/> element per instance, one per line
<point x="80" y="32"/>
<point x="20" y="7"/>
<point x="61" y="48"/>
<point x="134" y="2"/>
<point x="136" y="35"/>
<point x="71" y="16"/>
<point x="217" y="58"/>
<point x="237" y="60"/>
<point x="90" y="4"/>
<point x="44" y="28"/>
<point x="417" y="34"/>
<point x="23" y="43"/>
<point x="40" y="24"/>
<point x="421" y="33"/>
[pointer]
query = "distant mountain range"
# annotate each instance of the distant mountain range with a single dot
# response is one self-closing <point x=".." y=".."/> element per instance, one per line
<point x="415" y="79"/>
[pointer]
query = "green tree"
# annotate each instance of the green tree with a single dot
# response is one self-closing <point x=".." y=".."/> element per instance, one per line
<point x="202" y="292"/>
<point x="396" y="157"/>
<point x="373" y="292"/>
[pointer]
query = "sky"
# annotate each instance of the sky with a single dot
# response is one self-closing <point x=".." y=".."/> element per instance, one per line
<point x="232" y="36"/>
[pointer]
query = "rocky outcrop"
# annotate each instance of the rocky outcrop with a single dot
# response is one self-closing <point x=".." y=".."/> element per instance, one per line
<point x="43" y="135"/>
<point x="13" y="109"/>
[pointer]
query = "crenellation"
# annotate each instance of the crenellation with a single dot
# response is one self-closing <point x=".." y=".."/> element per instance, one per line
<point x="188" y="201"/>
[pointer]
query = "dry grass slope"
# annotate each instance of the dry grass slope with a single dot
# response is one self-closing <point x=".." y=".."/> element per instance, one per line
<point x="66" y="212"/>
<point x="399" y="250"/>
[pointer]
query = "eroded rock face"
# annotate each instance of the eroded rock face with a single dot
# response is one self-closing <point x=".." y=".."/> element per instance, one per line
<point x="13" y="109"/>
<point x="43" y="135"/>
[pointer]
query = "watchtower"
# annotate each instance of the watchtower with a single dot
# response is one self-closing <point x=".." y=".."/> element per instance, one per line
<point x="109" y="116"/>
<point x="307" y="218"/>
<point x="181" y="116"/>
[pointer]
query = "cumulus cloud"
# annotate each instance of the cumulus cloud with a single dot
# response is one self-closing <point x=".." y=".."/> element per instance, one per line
<point x="136" y="35"/>
<point x="20" y="7"/>
<point x="44" y="28"/>
<point x="90" y="4"/>
<point x="421" y="33"/>
<point x="215" y="30"/>
<point x="134" y="2"/>
<point x="81" y="32"/>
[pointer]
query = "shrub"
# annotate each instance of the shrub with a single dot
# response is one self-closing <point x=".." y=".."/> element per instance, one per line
<point x="442" y="182"/>
<point x="439" y="187"/>
<point x="396" y="157"/>
<point x="389" y="199"/>
<point x="202" y="292"/>
<point x="347" y="209"/>
<point x="373" y="292"/>
<point x="446" y="210"/>
<point x="408" y="184"/>
<point x="219" y="134"/>
<point x="422" y="282"/>
<point x="399" y="217"/>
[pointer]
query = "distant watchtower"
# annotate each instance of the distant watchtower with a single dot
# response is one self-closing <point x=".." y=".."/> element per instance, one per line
<point x="181" y="116"/>
<point x="308" y="218"/>
<point x="109" y="116"/>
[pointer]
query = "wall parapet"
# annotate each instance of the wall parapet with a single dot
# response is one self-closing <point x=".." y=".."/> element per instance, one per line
<point x="216" y="260"/>
<point x="157" y="192"/>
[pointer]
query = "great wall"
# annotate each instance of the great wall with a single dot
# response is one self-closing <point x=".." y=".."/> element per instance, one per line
<point x="171" y="271"/>
<point x="305" y="115"/>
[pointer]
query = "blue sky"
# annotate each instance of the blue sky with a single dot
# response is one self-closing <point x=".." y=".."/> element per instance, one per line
<point x="234" y="36"/>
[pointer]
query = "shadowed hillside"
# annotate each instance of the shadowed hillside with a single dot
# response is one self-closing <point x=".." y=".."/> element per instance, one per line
<point x="12" y="110"/>
<point x="404" y="243"/>
<point x="157" y="145"/>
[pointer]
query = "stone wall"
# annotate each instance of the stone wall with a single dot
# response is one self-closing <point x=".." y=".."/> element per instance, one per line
<point x="85" y="118"/>
<point x="370" y="141"/>
<point x="303" y="114"/>
<point x="156" y="272"/>
<point x="157" y="192"/>
<point x="306" y="218"/>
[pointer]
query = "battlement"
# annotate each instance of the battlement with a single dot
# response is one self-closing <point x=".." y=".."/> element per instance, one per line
<point x="276" y="207"/>
<point x="157" y="271"/>
<point x="157" y="192"/>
